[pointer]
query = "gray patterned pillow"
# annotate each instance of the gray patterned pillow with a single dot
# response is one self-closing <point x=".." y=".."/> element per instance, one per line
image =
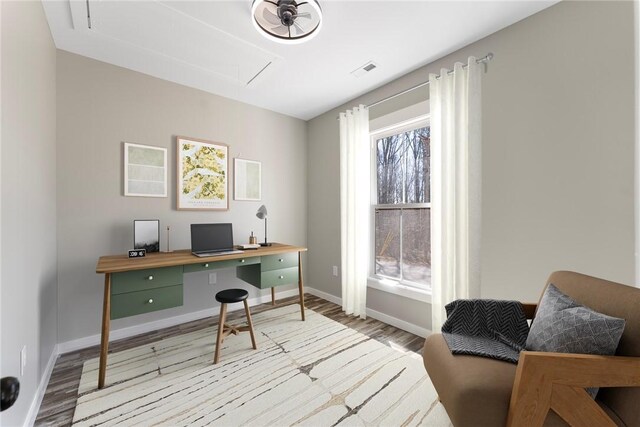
<point x="563" y="325"/>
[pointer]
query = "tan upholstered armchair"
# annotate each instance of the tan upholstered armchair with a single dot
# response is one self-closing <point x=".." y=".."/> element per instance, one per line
<point x="547" y="389"/>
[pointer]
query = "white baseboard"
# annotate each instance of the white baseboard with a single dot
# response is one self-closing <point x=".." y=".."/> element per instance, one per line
<point x="390" y="320"/>
<point x="329" y="297"/>
<point x="399" y="323"/>
<point x="130" y="331"/>
<point x="42" y="388"/>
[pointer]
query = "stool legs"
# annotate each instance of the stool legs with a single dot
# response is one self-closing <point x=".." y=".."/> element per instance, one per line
<point x="253" y="338"/>
<point x="224" y="329"/>
<point x="223" y="315"/>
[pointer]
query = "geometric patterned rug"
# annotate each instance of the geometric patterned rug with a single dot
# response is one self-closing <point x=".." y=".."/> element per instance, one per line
<point x="313" y="373"/>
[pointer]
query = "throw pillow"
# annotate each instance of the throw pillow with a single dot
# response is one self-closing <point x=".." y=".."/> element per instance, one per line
<point x="563" y="325"/>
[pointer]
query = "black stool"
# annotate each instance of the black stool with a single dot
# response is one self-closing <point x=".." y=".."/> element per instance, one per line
<point x="225" y="297"/>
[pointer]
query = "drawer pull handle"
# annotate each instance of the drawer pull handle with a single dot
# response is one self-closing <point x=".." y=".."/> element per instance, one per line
<point x="280" y="260"/>
<point x="150" y="278"/>
<point x="206" y="266"/>
<point x="280" y="277"/>
<point x="150" y="301"/>
<point x="241" y="260"/>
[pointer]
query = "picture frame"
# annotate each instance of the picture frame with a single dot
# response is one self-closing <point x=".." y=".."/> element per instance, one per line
<point x="146" y="234"/>
<point x="202" y="174"/>
<point x="145" y="170"/>
<point x="247" y="179"/>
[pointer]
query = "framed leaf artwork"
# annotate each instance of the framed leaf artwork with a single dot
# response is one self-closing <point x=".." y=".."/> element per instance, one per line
<point x="202" y="173"/>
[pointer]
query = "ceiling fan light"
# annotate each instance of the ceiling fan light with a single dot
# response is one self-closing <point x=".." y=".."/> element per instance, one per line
<point x="287" y="21"/>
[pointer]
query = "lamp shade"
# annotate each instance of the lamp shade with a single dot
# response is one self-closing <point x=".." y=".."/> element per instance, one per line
<point x="262" y="212"/>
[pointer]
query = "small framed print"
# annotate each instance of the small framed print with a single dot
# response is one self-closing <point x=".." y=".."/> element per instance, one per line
<point x="247" y="179"/>
<point x="202" y="174"/>
<point x="145" y="170"/>
<point x="146" y="235"/>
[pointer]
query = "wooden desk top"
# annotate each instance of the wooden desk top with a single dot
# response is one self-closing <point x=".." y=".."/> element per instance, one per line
<point x="120" y="263"/>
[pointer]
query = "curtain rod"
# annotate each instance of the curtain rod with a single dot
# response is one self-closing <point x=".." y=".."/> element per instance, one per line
<point x="488" y="57"/>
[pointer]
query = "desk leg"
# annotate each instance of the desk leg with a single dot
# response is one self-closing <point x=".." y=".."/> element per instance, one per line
<point x="273" y="296"/>
<point x="300" y="285"/>
<point x="106" y="320"/>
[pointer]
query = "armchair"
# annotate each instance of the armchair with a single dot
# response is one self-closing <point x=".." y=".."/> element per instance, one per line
<point x="547" y="389"/>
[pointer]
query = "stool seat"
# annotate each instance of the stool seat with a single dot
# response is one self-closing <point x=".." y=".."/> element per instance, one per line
<point x="229" y="296"/>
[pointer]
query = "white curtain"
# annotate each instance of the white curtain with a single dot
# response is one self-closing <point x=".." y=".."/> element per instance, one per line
<point x="455" y="186"/>
<point x="355" y="179"/>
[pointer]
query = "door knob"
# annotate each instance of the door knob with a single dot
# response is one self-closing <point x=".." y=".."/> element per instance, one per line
<point x="150" y="301"/>
<point x="10" y="389"/>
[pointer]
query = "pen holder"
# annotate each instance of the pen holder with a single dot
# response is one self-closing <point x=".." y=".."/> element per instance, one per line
<point x="253" y="240"/>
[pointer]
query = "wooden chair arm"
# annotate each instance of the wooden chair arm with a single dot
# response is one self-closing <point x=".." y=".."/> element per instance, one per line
<point x="529" y="309"/>
<point x="557" y="381"/>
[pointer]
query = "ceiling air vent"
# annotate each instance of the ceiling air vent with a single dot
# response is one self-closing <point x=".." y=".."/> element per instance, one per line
<point x="364" y="69"/>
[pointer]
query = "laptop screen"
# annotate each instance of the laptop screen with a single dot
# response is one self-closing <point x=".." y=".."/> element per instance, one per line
<point x="211" y="237"/>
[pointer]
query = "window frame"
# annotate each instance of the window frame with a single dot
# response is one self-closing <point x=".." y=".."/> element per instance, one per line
<point x="388" y="284"/>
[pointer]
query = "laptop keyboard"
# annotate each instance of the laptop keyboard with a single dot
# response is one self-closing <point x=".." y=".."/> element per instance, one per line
<point x="208" y="254"/>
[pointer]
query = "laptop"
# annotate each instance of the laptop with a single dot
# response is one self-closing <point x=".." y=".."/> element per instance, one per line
<point x="212" y="240"/>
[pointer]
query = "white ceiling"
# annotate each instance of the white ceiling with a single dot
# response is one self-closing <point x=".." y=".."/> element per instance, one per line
<point x="213" y="46"/>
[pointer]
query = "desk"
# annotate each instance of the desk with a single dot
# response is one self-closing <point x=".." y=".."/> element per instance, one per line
<point x="140" y="285"/>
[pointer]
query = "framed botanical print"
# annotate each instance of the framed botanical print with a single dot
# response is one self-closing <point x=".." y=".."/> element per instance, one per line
<point x="202" y="173"/>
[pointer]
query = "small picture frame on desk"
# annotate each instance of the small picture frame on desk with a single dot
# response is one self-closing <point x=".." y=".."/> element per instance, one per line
<point x="146" y="235"/>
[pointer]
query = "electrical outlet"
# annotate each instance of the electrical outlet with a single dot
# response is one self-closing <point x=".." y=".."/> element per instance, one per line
<point x="213" y="278"/>
<point x="23" y="360"/>
<point x="335" y="270"/>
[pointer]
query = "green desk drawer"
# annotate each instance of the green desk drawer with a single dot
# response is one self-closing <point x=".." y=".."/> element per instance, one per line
<point x="286" y="276"/>
<point x="276" y="262"/>
<point x="132" y="303"/>
<point x="138" y="280"/>
<point x="204" y="266"/>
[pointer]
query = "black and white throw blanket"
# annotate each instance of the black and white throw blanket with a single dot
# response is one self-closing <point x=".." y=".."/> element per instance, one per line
<point x="488" y="328"/>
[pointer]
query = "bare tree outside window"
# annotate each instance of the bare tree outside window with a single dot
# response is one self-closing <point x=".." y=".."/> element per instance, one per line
<point x="402" y="212"/>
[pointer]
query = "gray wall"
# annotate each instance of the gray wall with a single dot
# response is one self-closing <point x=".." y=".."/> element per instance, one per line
<point x="100" y="106"/>
<point x="557" y="155"/>
<point x="29" y="291"/>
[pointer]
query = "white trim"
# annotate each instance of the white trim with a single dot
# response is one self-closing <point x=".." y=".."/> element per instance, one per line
<point x="399" y="116"/>
<point x="324" y="295"/>
<point x="399" y="323"/>
<point x="131" y="331"/>
<point x="417" y="122"/>
<point x="390" y="320"/>
<point x="397" y="288"/>
<point x="42" y="388"/>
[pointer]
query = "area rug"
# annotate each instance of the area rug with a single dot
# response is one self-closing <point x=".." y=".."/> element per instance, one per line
<point x="313" y="373"/>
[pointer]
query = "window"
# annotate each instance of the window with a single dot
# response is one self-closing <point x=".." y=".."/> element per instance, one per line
<point x="401" y="205"/>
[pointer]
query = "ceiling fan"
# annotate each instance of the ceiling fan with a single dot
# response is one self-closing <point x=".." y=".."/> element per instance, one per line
<point x="287" y="21"/>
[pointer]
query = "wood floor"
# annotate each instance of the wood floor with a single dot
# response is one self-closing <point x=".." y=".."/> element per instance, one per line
<point x="61" y="395"/>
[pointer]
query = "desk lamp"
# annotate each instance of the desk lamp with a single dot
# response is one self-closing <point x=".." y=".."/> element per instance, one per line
<point x="262" y="214"/>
